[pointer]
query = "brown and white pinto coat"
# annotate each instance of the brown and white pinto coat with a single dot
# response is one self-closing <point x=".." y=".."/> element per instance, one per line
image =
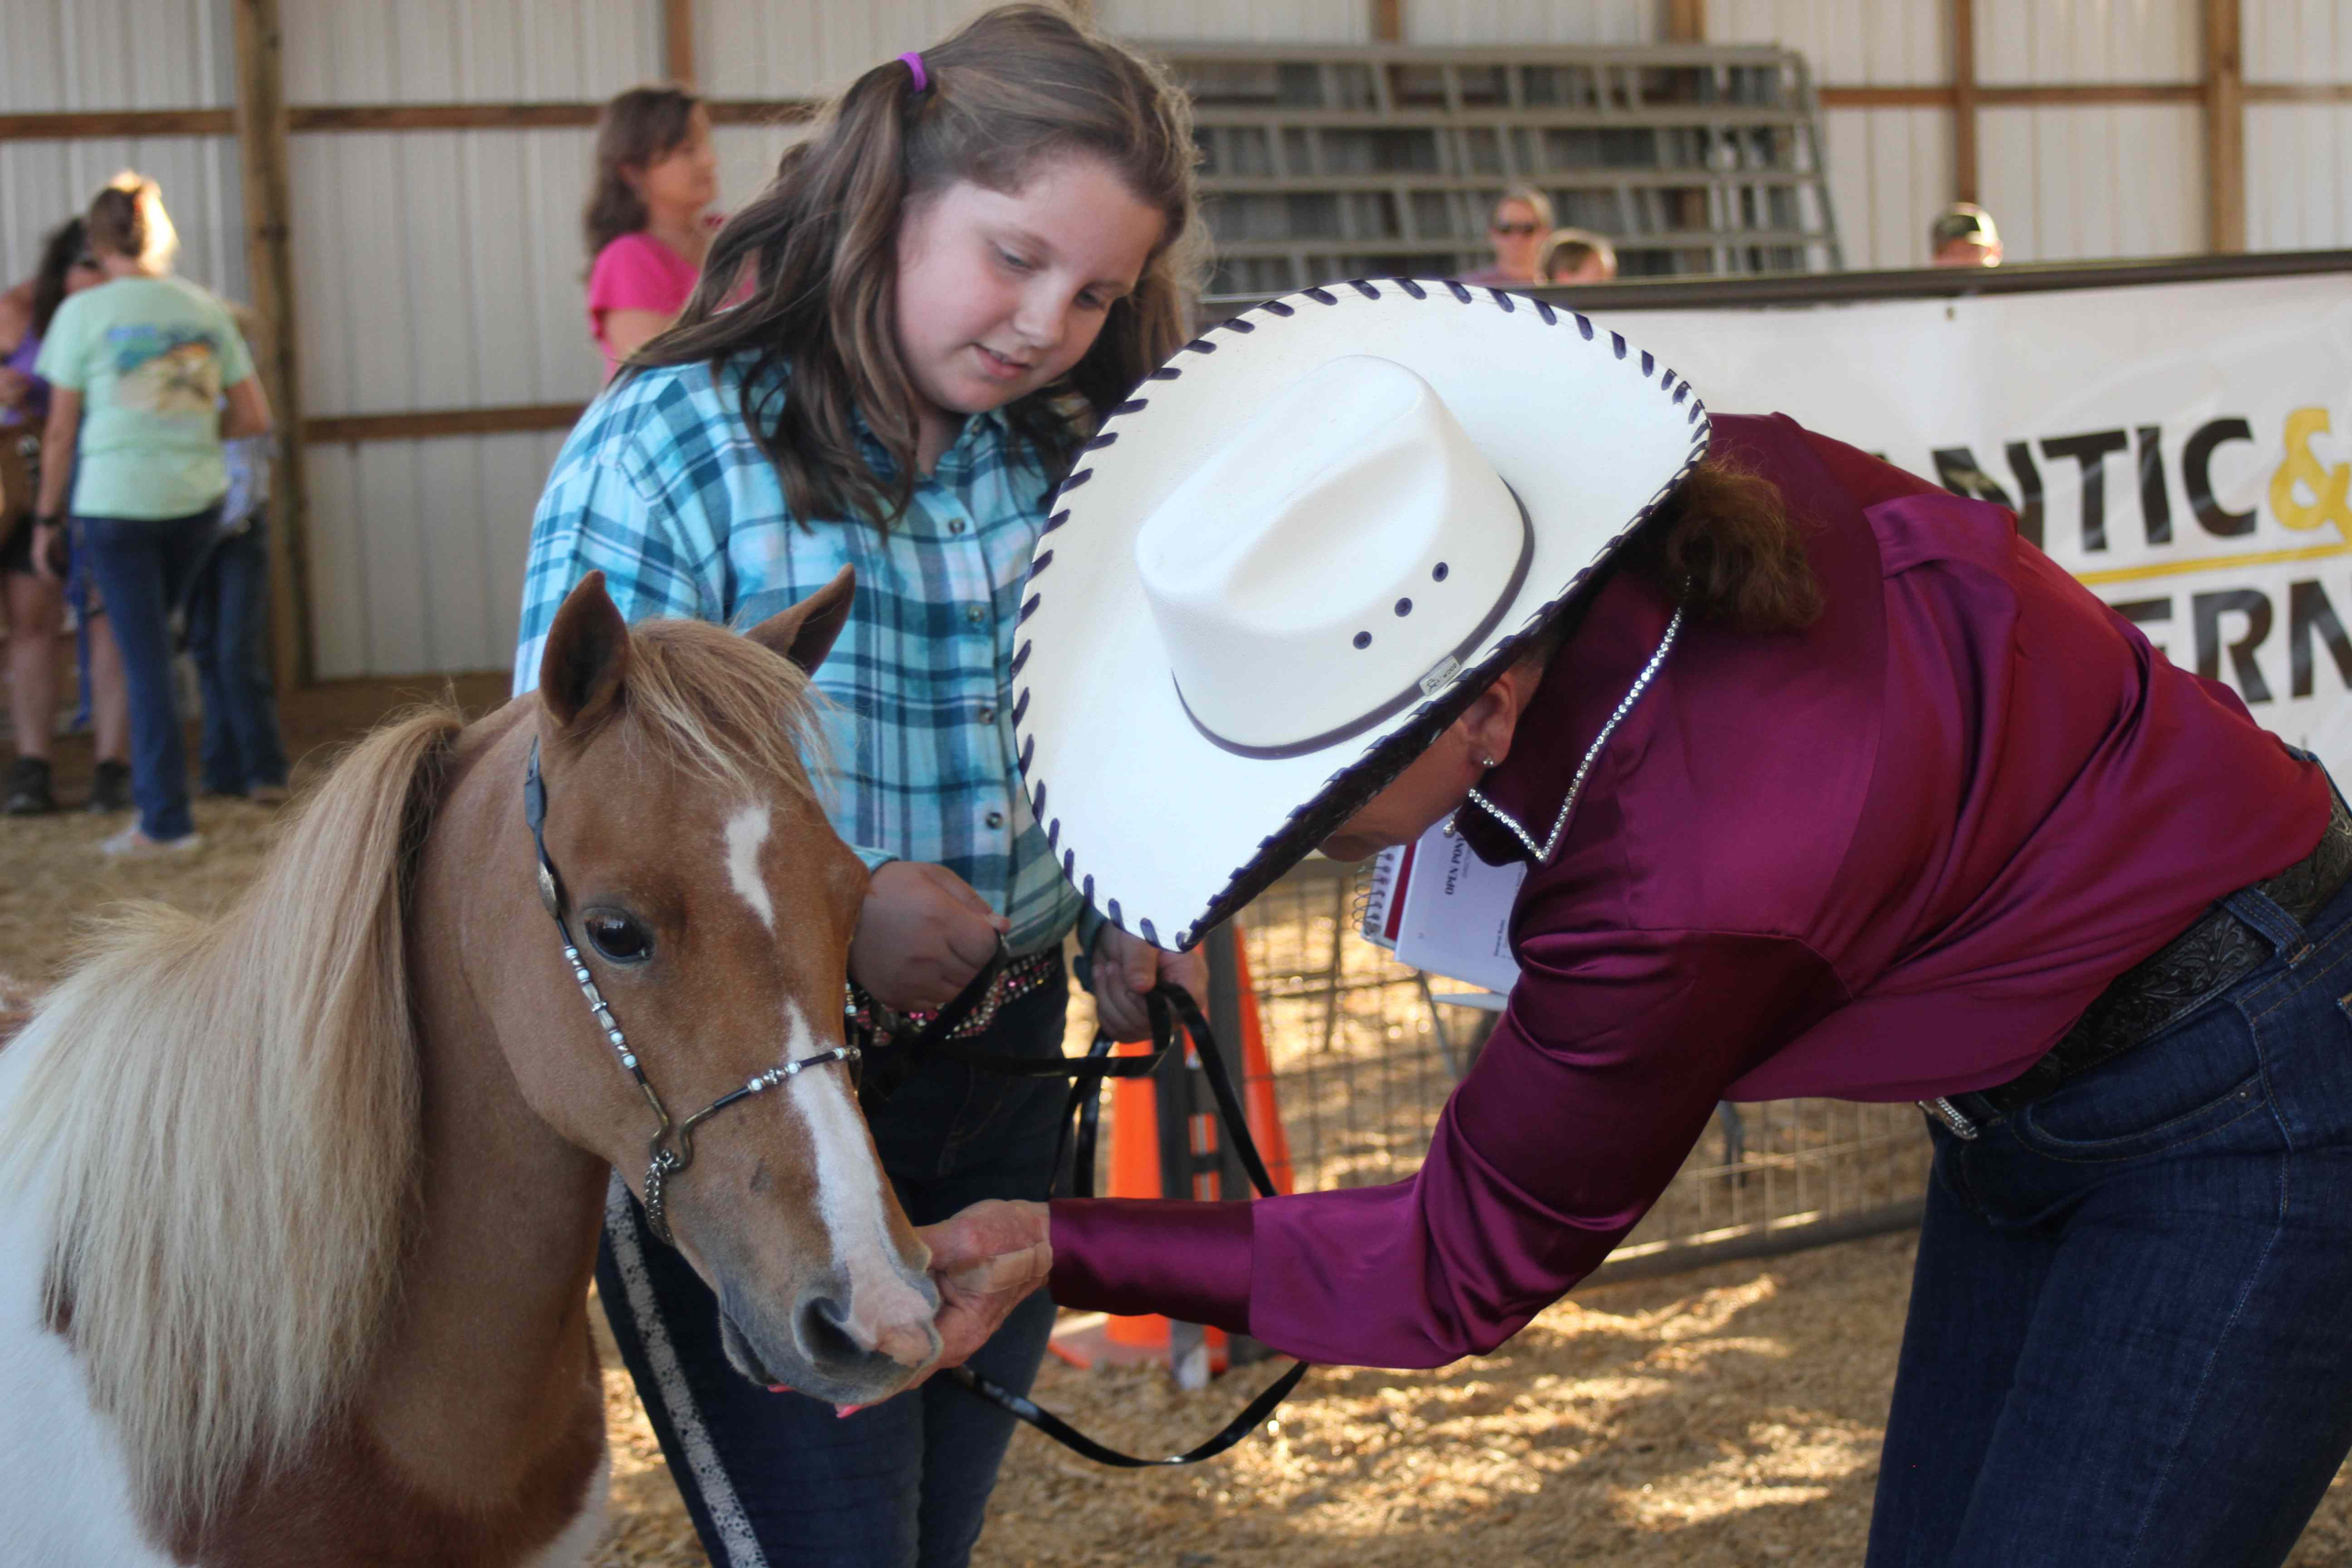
<point x="299" y="1204"/>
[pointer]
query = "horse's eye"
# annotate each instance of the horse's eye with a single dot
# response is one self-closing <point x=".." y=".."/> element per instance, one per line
<point x="620" y="937"/>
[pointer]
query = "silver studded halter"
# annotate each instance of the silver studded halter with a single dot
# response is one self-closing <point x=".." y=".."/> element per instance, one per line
<point x="672" y="1148"/>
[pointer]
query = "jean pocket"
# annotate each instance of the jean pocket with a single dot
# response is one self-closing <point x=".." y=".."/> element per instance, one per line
<point x="2182" y="1086"/>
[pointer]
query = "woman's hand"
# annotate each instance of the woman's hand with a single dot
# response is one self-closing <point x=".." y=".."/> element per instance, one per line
<point x="921" y="936"/>
<point x="984" y="1262"/>
<point x="15" y="388"/>
<point x="45" y="536"/>
<point x="1126" y="967"/>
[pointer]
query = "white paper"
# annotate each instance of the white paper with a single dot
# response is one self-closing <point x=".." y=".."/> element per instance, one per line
<point x="1456" y="919"/>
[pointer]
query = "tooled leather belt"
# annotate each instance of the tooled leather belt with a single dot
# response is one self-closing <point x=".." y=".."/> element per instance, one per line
<point x="1017" y="978"/>
<point x="2173" y="981"/>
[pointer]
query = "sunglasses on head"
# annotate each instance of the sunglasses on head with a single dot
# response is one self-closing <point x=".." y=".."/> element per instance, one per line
<point x="1517" y="231"/>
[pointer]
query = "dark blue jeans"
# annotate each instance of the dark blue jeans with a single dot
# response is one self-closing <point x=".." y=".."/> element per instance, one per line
<point x="776" y="1478"/>
<point x="142" y="567"/>
<point x="2130" y="1333"/>
<point x="228" y="634"/>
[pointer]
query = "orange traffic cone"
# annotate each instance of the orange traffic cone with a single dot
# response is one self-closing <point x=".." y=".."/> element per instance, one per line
<point x="1136" y="1170"/>
<point x="1259" y="1102"/>
<point x="1135" y="1173"/>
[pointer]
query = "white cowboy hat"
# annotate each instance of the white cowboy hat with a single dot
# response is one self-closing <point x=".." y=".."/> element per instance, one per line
<point x="1295" y="554"/>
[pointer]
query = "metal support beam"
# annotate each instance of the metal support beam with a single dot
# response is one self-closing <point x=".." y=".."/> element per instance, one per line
<point x="678" y="41"/>
<point x="2224" y="127"/>
<point x="262" y="128"/>
<point x="1964" y="100"/>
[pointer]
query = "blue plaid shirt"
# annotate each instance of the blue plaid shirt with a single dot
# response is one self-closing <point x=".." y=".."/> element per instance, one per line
<point x="663" y="487"/>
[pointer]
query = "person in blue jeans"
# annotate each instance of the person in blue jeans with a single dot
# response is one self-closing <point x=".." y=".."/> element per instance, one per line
<point x="2185" y="1208"/>
<point x="227" y="609"/>
<point x="139" y="368"/>
<point x="947" y="288"/>
<point x="779" y="1479"/>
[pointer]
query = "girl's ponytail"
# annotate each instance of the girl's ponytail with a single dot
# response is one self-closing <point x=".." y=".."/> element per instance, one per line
<point x="1015" y="87"/>
<point x="127" y="219"/>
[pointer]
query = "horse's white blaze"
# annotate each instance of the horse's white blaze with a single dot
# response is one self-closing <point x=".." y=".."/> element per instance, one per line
<point x="746" y="831"/>
<point x="886" y="1310"/>
<point x="64" y="1490"/>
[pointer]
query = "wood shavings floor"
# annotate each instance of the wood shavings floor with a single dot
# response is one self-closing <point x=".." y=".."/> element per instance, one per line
<point x="1727" y="1417"/>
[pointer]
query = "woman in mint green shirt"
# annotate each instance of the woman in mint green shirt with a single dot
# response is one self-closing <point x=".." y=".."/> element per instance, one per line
<point x="138" y="368"/>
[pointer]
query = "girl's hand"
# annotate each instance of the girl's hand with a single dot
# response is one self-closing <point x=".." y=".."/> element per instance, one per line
<point x="921" y="936"/>
<point x="984" y="1262"/>
<point x="1126" y="967"/>
<point x="45" y="550"/>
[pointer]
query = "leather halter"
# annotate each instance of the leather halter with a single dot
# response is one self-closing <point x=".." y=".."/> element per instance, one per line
<point x="670" y="1150"/>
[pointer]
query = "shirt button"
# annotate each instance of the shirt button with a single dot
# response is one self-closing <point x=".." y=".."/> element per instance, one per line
<point x="987" y="714"/>
<point x="976" y="614"/>
<point x="996" y="818"/>
<point x="954" y="524"/>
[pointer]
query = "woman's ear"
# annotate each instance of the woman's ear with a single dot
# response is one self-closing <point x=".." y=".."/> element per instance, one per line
<point x="1492" y="717"/>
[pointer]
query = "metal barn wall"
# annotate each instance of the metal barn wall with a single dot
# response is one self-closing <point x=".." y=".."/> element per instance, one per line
<point x="1890" y="168"/>
<point x="2122" y="180"/>
<point x="439" y="269"/>
<point x="2298" y="156"/>
<point x="1486" y="22"/>
<point x="69" y="55"/>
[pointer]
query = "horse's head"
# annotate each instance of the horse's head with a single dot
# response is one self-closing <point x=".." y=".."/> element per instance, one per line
<point x="712" y="905"/>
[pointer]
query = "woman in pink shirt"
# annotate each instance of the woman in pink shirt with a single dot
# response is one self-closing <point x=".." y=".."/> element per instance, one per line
<point x="648" y="219"/>
<point x="1826" y="782"/>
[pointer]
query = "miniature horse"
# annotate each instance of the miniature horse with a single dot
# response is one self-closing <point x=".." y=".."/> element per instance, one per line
<point x="299" y="1204"/>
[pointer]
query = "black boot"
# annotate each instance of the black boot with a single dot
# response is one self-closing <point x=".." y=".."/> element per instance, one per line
<point x="29" y="793"/>
<point x="110" y="788"/>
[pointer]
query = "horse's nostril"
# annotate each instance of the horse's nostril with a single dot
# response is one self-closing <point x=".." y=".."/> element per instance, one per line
<point x="824" y="1332"/>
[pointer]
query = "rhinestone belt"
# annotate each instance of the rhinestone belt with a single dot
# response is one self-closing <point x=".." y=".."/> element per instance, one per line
<point x="1017" y="979"/>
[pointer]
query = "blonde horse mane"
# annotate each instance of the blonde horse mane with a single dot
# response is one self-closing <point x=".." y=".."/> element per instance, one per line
<point x="225" y="1113"/>
<point x="224" y="1110"/>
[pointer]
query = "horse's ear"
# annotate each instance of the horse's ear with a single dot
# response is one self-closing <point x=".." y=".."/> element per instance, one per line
<point x="805" y="633"/>
<point x="587" y="654"/>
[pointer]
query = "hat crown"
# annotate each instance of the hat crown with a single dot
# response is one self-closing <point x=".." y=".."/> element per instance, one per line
<point x="1330" y="560"/>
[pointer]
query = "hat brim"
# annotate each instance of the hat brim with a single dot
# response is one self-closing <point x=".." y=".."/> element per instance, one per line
<point x="1164" y="830"/>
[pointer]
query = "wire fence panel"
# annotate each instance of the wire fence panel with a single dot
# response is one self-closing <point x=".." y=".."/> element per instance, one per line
<point x="1362" y="1059"/>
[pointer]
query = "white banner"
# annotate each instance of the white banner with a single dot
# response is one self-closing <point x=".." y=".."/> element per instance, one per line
<point x="2185" y="449"/>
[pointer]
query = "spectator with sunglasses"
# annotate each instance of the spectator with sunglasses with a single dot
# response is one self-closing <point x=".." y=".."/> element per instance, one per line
<point x="1522" y="219"/>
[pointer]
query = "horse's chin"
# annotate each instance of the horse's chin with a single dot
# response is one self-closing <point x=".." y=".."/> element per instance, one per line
<point x="866" y="1378"/>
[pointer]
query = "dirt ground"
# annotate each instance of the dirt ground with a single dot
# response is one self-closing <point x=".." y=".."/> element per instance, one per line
<point x="1728" y="1415"/>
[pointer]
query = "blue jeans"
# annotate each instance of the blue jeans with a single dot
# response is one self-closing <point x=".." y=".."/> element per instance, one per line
<point x="142" y="567"/>
<point x="776" y="1478"/>
<point x="2129" y="1341"/>
<point x="228" y="634"/>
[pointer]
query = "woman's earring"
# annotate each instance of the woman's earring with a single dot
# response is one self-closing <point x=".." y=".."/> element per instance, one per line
<point x="1447" y="826"/>
<point x="1490" y="763"/>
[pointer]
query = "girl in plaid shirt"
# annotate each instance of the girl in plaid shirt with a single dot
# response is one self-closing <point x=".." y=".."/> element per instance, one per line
<point x="892" y="356"/>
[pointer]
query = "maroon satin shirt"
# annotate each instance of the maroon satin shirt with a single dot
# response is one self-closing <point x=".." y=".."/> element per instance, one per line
<point x="1889" y="857"/>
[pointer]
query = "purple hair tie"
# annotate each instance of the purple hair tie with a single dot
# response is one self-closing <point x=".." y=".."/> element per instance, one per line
<point x="922" y="77"/>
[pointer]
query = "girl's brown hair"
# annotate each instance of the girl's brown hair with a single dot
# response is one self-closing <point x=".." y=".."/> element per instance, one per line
<point x="639" y="127"/>
<point x="1013" y="89"/>
<point x="127" y="219"/>
<point x="67" y="247"/>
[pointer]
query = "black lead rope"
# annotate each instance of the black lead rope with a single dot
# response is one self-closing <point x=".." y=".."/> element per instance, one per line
<point x="1168" y="1006"/>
